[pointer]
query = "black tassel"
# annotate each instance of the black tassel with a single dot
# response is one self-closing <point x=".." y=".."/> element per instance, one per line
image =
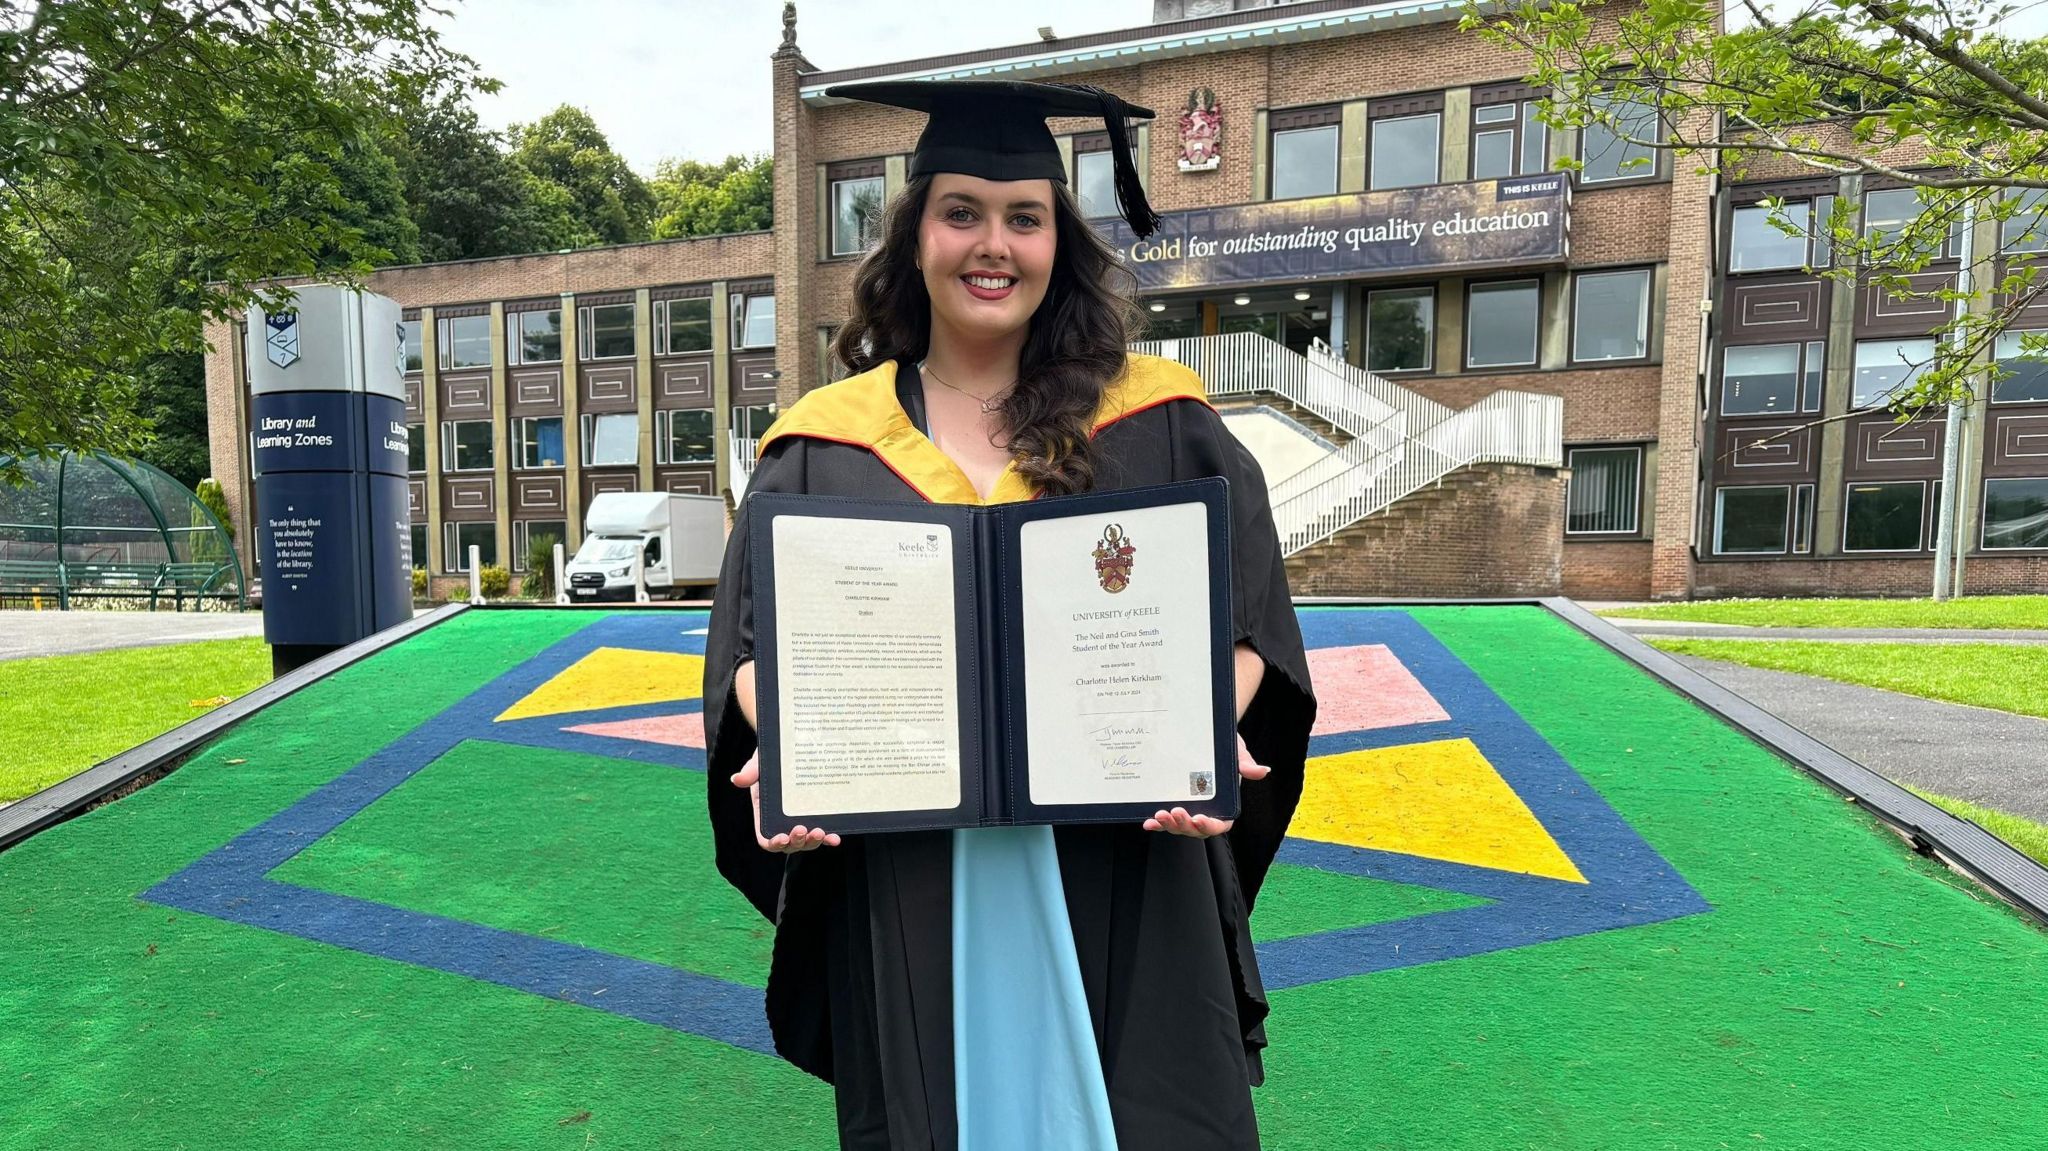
<point x="1130" y="194"/>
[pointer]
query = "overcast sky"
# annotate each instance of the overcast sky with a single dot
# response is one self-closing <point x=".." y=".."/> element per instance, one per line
<point x="690" y="78"/>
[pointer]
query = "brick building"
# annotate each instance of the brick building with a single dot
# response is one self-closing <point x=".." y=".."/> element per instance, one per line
<point x="1360" y="203"/>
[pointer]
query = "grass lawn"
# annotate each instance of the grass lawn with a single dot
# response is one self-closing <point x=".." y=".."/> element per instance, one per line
<point x="2009" y="677"/>
<point x="2000" y="611"/>
<point x="61" y="714"/>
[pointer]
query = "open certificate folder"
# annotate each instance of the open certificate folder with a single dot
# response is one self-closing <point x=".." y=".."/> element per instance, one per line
<point x="925" y="665"/>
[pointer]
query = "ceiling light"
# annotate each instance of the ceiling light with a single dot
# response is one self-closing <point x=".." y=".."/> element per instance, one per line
<point x="1241" y="301"/>
<point x="1158" y="306"/>
<point x="1301" y="294"/>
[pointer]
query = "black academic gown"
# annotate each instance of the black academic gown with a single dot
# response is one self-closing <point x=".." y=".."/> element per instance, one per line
<point x="860" y="986"/>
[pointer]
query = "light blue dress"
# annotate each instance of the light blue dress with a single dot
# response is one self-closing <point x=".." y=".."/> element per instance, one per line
<point x="1026" y="1074"/>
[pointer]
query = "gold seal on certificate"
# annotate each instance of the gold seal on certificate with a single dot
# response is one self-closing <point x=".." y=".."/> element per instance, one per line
<point x="938" y="665"/>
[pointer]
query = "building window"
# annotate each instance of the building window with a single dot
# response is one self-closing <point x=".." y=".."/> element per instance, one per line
<point x="2025" y="381"/>
<point x="419" y="545"/>
<point x="2026" y="230"/>
<point x="415" y="447"/>
<point x="683" y="436"/>
<point x="1884" y="517"/>
<point x="753" y="321"/>
<point x="466" y="446"/>
<point x="682" y="326"/>
<point x="856" y="215"/>
<point x="529" y="536"/>
<point x="1400" y="330"/>
<point x="536" y="337"/>
<point x="1304" y="153"/>
<point x="605" y="332"/>
<point x="409" y="340"/>
<point x="611" y="440"/>
<point x="1508" y="140"/>
<point x="1884" y="368"/>
<point x="1500" y="324"/>
<point x="1405" y="150"/>
<point x="1095" y="176"/>
<point x="1610" y="152"/>
<point x="1802" y="519"/>
<point x="1816" y="358"/>
<point x="540" y="442"/>
<point x="1611" y="315"/>
<point x="465" y="342"/>
<point x="1889" y="212"/>
<point x="459" y="537"/>
<point x="752" y="422"/>
<point x="2015" y="514"/>
<point x="1760" y="381"/>
<point x="1605" y="491"/>
<point x="1757" y="244"/>
<point x="1750" y="521"/>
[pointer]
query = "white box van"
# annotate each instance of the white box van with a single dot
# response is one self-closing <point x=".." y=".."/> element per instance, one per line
<point x="676" y="542"/>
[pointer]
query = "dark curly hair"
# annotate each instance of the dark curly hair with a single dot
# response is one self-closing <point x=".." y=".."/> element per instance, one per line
<point x="1074" y="349"/>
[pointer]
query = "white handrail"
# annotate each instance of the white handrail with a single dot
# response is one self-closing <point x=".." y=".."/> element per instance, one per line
<point x="1402" y="441"/>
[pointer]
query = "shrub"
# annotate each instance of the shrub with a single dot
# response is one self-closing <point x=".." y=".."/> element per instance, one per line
<point x="494" y="581"/>
<point x="216" y="501"/>
<point x="419" y="583"/>
<point x="540" y="566"/>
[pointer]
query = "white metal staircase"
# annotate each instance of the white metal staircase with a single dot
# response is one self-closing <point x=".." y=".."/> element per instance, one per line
<point x="1402" y="441"/>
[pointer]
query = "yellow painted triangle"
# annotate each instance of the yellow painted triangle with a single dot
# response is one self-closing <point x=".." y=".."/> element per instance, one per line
<point x="614" y="677"/>
<point x="1439" y="800"/>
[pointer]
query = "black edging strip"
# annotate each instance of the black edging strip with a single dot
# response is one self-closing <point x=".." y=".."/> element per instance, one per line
<point x="60" y="801"/>
<point x="1961" y="844"/>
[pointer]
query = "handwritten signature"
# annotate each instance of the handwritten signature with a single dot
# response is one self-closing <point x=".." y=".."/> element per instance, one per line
<point x="1114" y="730"/>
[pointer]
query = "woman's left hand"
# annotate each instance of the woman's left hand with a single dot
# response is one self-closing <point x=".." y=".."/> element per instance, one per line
<point x="1179" y="822"/>
<point x="1251" y="670"/>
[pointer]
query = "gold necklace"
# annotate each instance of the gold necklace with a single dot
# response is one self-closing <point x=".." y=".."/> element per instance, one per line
<point x="987" y="406"/>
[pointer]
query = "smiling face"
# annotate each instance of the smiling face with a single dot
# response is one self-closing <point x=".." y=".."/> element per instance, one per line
<point x="986" y="248"/>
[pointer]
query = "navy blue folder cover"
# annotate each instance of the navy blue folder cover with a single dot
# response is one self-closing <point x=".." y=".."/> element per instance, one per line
<point x="988" y="604"/>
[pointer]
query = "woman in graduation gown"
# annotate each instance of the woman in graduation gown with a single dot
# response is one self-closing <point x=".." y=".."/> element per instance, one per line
<point x="1074" y="987"/>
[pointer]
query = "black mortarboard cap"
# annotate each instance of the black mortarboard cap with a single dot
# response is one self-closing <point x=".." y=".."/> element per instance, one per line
<point x="995" y="129"/>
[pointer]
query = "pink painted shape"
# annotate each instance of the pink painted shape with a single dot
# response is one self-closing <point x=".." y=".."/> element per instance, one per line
<point x="672" y="730"/>
<point x="1363" y="688"/>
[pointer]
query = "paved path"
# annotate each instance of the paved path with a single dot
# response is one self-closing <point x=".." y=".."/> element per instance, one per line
<point x="26" y="633"/>
<point x="1690" y="629"/>
<point x="1990" y="757"/>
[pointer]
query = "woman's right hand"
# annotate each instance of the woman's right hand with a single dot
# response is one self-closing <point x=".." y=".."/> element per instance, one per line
<point x="798" y="838"/>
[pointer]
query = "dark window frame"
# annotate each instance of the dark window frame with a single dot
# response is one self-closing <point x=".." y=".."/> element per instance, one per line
<point x="1387" y="110"/>
<point x="1578" y="275"/>
<point x="1920" y="522"/>
<point x="1720" y="520"/>
<point x="1535" y="361"/>
<point x="851" y="172"/>
<point x="1429" y="346"/>
<point x="1524" y="99"/>
<point x="1635" y="530"/>
<point x="1304" y="119"/>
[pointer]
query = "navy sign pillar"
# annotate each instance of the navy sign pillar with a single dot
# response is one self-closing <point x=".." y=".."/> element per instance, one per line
<point x="327" y="420"/>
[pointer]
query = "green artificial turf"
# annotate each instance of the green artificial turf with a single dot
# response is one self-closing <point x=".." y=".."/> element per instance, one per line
<point x="2002" y="611"/>
<point x="2008" y="677"/>
<point x="1842" y="992"/>
<point x="61" y="714"/>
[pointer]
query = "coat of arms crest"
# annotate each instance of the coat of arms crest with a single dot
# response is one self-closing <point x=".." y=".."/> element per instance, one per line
<point x="1201" y="133"/>
<point x="1113" y="555"/>
<point x="281" y="346"/>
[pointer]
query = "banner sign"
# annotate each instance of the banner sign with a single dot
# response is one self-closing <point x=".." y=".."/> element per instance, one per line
<point x="1522" y="221"/>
